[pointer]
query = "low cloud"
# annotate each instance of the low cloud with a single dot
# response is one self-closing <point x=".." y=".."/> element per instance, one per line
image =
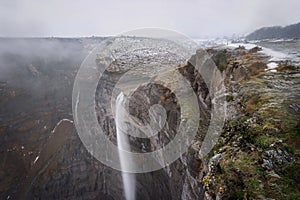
<point x="196" y="18"/>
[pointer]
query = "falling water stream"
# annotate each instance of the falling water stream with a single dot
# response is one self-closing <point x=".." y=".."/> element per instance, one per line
<point x="123" y="144"/>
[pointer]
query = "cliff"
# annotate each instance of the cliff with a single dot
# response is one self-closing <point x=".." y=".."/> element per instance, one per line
<point x="256" y="157"/>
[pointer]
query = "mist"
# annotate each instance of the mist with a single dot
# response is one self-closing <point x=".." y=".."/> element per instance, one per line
<point x="39" y="72"/>
<point x="195" y="18"/>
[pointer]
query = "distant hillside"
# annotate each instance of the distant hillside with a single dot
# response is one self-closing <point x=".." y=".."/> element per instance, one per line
<point x="276" y="32"/>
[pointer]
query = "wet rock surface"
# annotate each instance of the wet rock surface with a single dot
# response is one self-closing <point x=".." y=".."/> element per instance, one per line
<point x="44" y="157"/>
<point x="179" y="180"/>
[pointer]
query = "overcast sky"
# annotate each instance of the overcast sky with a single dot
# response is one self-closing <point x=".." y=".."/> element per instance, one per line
<point x="196" y="18"/>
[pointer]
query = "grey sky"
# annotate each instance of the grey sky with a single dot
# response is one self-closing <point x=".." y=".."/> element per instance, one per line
<point x="196" y="18"/>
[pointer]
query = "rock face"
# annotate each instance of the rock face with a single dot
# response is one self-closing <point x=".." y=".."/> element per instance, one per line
<point x="180" y="180"/>
<point x="44" y="157"/>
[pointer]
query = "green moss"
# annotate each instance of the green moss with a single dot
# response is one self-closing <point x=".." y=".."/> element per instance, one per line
<point x="266" y="118"/>
<point x="289" y="182"/>
<point x="289" y="148"/>
<point x="256" y="67"/>
<point x="262" y="142"/>
<point x="253" y="188"/>
<point x="253" y="184"/>
<point x="221" y="60"/>
<point x="254" y="102"/>
<point x="239" y="195"/>
<point x="259" y="171"/>
<point x="229" y="97"/>
<point x="244" y="163"/>
<point x="230" y="164"/>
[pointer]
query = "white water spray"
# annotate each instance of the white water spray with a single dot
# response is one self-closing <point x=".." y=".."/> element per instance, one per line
<point x="123" y="144"/>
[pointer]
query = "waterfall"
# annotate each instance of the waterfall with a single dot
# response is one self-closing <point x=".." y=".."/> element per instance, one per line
<point x="123" y="144"/>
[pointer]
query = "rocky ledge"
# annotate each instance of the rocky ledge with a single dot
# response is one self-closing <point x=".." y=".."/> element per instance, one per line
<point x="257" y="155"/>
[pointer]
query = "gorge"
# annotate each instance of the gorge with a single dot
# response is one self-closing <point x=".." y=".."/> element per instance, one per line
<point x="256" y="157"/>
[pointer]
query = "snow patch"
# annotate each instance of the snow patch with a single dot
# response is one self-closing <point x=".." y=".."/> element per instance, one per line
<point x="63" y="120"/>
<point x="272" y="70"/>
<point x="36" y="159"/>
<point x="210" y="42"/>
<point x="272" y="65"/>
<point x="275" y="55"/>
<point x="247" y="46"/>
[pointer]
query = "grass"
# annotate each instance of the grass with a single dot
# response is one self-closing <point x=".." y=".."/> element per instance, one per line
<point x="229" y="97"/>
<point x="262" y="142"/>
<point x="253" y="184"/>
<point x="265" y="121"/>
<point x="259" y="171"/>
<point x="289" y="148"/>
<point x="290" y="181"/>
<point x="221" y="60"/>
<point x="239" y="195"/>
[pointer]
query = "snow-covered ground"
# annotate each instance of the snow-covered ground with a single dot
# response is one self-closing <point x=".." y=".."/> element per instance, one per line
<point x="36" y="159"/>
<point x="271" y="67"/>
<point x="275" y="55"/>
<point x="277" y="50"/>
<point x="247" y="46"/>
<point x="203" y="43"/>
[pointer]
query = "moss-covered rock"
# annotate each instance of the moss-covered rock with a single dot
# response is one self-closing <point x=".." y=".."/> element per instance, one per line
<point x="260" y="143"/>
